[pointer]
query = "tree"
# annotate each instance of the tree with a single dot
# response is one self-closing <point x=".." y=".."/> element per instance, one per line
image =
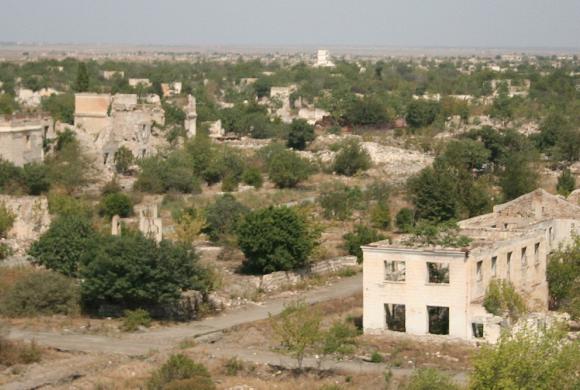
<point x="36" y="178"/>
<point x="116" y="204"/>
<point x="351" y="158"/>
<point x="190" y="224"/>
<point x="69" y="167"/>
<point x="361" y="235"/>
<point x="380" y="215"/>
<point x="174" y="116"/>
<point x="300" y="134"/>
<point x="422" y="113"/>
<point x="298" y="330"/>
<point x="368" y="111"/>
<point x="563" y="274"/>
<point x="434" y="194"/>
<point x="275" y="239"/>
<point x="133" y="272"/>
<point x="528" y="360"/>
<point x="566" y="183"/>
<point x="253" y="177"/>
<point x="223" y="217"/>
<point x="519" y="176"/>
<point x="286" y="169"/>
<point x="61" y="107"/>
<point x="405" y="220"/>
<point x="69" y="240"/>
<point x="123" y="160"/>
<point x="82" y="82"/>
<point x="339" y="200"/>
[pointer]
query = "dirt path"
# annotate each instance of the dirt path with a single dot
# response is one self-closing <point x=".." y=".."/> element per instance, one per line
<point x="166" y="338"/>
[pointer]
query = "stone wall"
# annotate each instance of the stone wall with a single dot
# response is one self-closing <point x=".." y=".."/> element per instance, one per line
<point x="32" y="217"/>
<point x="21" y="145"/>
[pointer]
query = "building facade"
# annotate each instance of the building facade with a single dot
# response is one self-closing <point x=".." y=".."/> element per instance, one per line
<point x="436" y="290"/>
<point x="22" y="144"/>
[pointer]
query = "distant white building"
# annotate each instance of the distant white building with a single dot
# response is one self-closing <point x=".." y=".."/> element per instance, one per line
<point x="323" y="60"/>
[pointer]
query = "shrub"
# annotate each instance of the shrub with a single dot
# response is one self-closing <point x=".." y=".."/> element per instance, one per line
<point x="286" y="169"/>
<point x="116" y="204"/>
<point x="340" y="339"/>
<point x="563" y="274"/>
<point x="5" y="251"/>
<point x="300" y="134"/>
<point x="18" y="352"/>
<point x="376" y="357"/>
<point x="190" y="224"/>
<point x="9" y="173"/>
<point x="68" y="241"/>
<point x="275" y="239"/>
<point x="430" y="379"/>
<point x="66" y="205"/>
<point x="41" y="293"/>
<point x="501" y="297"/>
<point x="566" y="183"/>
<point x="35" y="178"/>
<point x="381" y="215"/>
<point x="233" y="366"/>
<point x="252" y="177"/>
<point x="7" y="219"/>
<point x="177" y="369"/>
<point x="123" y="160"/>
<point x="361" y="235"/>
<point x="134" y="319"/>
<point x="338" y="200"/>
<point x="223" y="217"/>
<point x="230" y="183"/>
<point x="405" y="220"/>
<point x="351" y="158"/>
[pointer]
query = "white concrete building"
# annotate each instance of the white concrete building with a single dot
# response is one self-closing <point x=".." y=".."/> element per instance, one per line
<point x="437" y="290"/>
<point x="323" y="60"/>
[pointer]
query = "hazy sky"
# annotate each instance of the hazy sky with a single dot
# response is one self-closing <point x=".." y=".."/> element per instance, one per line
<point x="416" y="23"/>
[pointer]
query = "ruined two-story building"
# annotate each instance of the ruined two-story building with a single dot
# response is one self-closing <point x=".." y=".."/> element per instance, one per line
<point x="424" y="290"/>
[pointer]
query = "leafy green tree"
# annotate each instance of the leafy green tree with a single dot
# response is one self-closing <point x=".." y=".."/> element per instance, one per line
<point x="253" y="177"/>
<point x="528" y="360"/>
<point x="123" y="160"/>
<point x="380" y="215"/>
<point x="69" y="167"/>
<point x="563" y="274"/>
<point x="116" y="204"/>
<point x="173" y="115"/>
<point x="286" y="169"/>
<point x="82" y="82"/>
<point x="422" y="113"/>
<point x="361" y="235"/>
<point x="275" y="239"/>
<point x="434" y="194"/>
<point x="61" y="107"/>
<point x="566" y="183"/>
<point x="519" y="176"/>
<point x="300" y="134"/>
<point x="223" y="216"/>
<point x="132" y="271"/>
<point x="7" y="104"/>
<point x="9" y="174"/>
<point x="36" y="178"/>
<point x="405" y="220"/>
<point x="298" y="330"/>
<point x="69" y="240"/>
<point x="368" y="111"/>
<point x="351" y="158"/>
<point x="339" y="200"/>
<point x="262" y="87"/>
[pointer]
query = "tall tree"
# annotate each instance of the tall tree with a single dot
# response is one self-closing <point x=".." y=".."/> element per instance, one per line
<point x="82" y="83"/>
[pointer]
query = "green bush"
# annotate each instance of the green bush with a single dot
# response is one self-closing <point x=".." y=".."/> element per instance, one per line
<point x="252" y="177"/>
<point x="501" y="297"/>
<point x="340" y="339"/>
<point x="69" y="240"/>
<point x="351" y="158"/>
<point x="376" y="357"/>
<point x="566" y="183"/>
<point x="275" y="239"/>
<point x="41" y="293"/>
<point x="361" y="235"/>
<point x="66" y="205"/>
<point x="300" y="134"/>
<point x="178" y="369"/>
<point x="339" y="200"/>
<point x="123" y="160"/>
<point x="230" y="183"/>
<point x="134" y="319"/>
<point x="35" y="178"/>
<point x="563" y="274"/>
<point x="286" y="169"/>
<point x="405" y="220"/>
<point x="430" y="379"/>
<point x="7" y="219"/>
<point x="116" y="204"/>
<point x="5" y="251"/>
<point x="223" y="216"/>
<point x="9" y="174"/>
<point x="380" y="215"/>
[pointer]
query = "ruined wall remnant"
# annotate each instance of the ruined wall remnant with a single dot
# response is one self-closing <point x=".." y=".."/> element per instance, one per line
<point x="191" y="117"/>
<point x="149" y="222"/>
<point x="22" y="144"/>
<point x="32" y="217"/>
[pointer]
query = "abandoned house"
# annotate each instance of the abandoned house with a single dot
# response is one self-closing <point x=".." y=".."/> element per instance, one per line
<point x="437" y="290"/>
<point x="104" y="123"/>
<point x="22" y="144"/>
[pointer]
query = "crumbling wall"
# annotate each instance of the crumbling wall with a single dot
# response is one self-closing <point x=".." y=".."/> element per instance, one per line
<point x="32" y="216"/>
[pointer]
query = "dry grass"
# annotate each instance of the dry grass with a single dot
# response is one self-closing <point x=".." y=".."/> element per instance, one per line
<point x="18" y="352"/>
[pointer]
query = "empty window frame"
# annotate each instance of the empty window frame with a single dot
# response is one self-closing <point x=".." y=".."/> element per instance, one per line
<point x="395" y="317"/>
<point x="438" y="273"/>
<point x="438" y="317"/>
<point x="537" y="253"/>
<point x="477" y="329"/>
<point x="395" y="271"/>
<point x="524" y="257"/>
<point x="494" y="266"/>
<point x="479" y="271"/>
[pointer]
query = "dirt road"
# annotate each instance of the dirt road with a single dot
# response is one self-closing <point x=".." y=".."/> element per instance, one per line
<point x="166" y="338"/>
